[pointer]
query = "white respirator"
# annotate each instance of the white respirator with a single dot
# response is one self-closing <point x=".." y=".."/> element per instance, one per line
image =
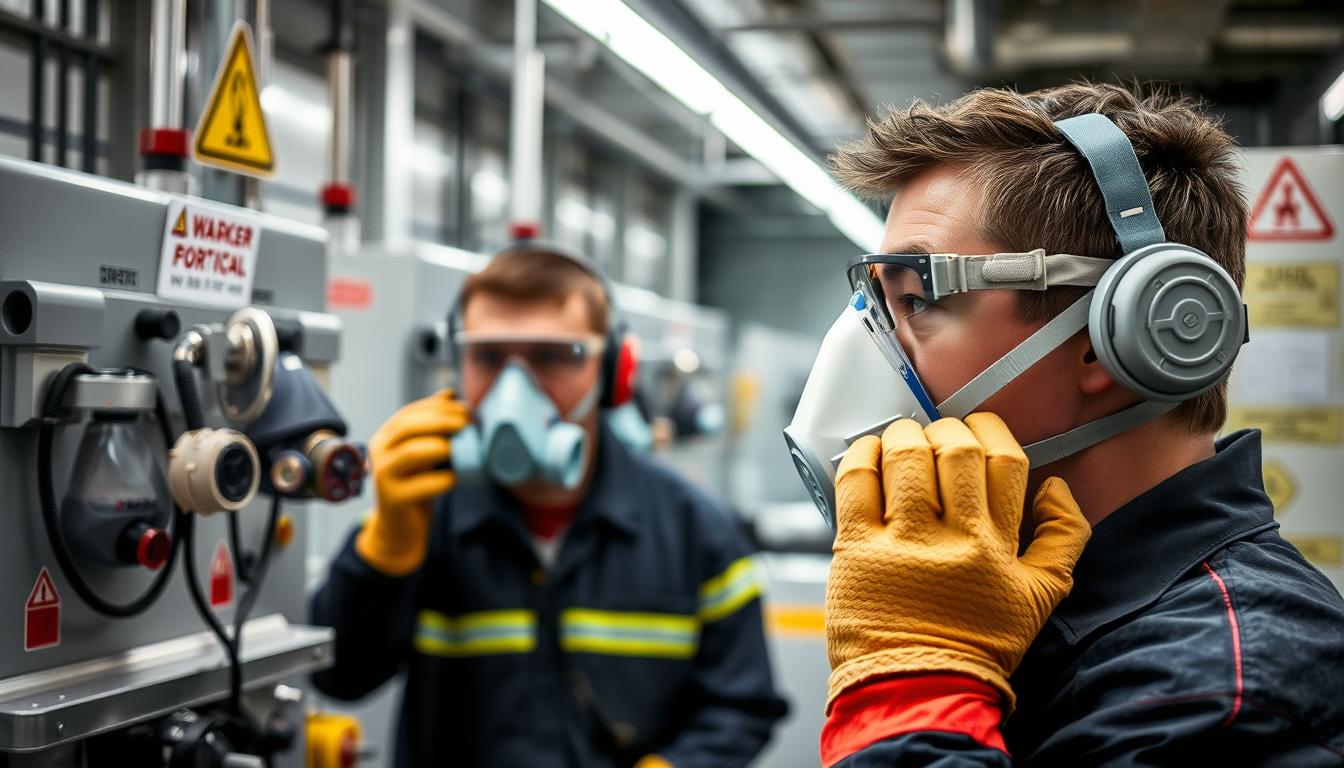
<point x="851" y="392"/>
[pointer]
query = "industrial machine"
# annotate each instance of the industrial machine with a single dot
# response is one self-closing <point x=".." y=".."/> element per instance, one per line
<point x="160" y="405"/>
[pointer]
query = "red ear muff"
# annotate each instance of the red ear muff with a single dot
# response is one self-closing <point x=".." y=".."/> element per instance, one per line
<point x="623" y="378"/>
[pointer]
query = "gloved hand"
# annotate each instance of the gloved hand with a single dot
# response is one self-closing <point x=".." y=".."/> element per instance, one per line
<point x="926" y="575"/>
<point x="409" y="457"/>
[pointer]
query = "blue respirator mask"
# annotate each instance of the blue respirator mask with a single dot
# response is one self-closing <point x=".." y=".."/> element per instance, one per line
<point x="519" y="437"/>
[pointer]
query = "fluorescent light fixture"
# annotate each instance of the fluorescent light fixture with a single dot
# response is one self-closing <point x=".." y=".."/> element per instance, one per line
<point x="1332" y="103"/>
<point x="639" y="44"/>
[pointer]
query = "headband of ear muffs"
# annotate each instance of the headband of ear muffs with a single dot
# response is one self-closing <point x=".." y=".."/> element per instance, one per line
<point x="620" y="353"/>
<point x="1166" y="320"/>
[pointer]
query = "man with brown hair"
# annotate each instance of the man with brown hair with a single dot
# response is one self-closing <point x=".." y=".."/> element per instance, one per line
<point x="1191" y="631"/>
<point x="576" y="605"/>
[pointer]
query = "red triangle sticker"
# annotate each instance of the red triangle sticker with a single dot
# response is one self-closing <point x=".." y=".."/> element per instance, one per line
<point x="44" y="592"/>
<point x="1288" y="209"/>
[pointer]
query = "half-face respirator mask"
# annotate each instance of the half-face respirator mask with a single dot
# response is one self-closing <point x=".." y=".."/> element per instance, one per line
<point x="1165" y="320"/>
<point x="517" y="436"/>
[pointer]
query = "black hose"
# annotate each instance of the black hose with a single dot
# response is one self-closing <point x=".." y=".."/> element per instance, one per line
<point x="249" y="599"/>
<point x="52" y="413"/>
<point x="243" y="565"/>
<point x="208" y="615"/>
<point x="184" y="376"/>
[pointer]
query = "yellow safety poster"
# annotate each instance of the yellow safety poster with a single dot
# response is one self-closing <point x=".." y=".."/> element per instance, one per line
<point x="232" y="133"/>
<point x="1302" y="295"/>
<point x="1312" y="425"/>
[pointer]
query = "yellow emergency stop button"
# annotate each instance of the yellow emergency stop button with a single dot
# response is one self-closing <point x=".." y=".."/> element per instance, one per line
<point x="333" y="740"/>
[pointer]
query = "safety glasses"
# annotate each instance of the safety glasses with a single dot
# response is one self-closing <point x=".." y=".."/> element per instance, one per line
<point x="545" y="356"/>
<point x="899" y="285"/>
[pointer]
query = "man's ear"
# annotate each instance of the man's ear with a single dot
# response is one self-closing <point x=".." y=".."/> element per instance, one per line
<point x="1092" y="376"/>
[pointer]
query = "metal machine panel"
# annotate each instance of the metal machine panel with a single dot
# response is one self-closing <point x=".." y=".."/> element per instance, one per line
<point x="59" y="228"/>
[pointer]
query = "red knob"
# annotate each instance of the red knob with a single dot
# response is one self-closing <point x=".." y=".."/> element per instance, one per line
<point x="153" y="548"/>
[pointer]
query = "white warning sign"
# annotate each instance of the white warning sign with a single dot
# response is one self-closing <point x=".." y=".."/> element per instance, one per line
<point x="1288" y="209"/>
<point x="209" y="255"/>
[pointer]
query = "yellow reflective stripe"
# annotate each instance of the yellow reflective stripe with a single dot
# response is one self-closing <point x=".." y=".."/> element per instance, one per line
<point x="724" y="594"/>
<point x="619" y="633"/>
<point x="476" y="634"/>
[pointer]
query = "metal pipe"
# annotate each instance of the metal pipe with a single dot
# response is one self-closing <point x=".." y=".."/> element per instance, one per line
<point x="37" y="97"/>
<point x="265" y="40"/>
<point x="89" y="151"/>
<point x="167" y="42"/>
<point x="525" y="116"/>
<point x="63" y="91"/>
<point x="340" y="78"/>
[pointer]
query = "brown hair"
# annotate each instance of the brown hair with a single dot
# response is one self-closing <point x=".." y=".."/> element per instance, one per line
<point x="1038" y="191"/>
<point x="536" y="275"/>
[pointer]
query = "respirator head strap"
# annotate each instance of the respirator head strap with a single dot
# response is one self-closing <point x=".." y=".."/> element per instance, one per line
<point x="1129" y="204"/>
<point x="1053" y="449"/>
<point x="1026" y="354"/>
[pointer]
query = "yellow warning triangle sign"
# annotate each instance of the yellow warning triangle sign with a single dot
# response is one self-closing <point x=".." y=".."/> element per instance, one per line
<point x="233" y="134"/>
<point x="180" y="226"/>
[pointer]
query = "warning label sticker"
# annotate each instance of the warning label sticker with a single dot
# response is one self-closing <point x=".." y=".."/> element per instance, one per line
<point x="209" y="255"/>
<point x="1288" y="209"/>
<point x="1289" y="424"/>
<point x="42" y="615"/>
<point x="221" y="577"/>
<point x="232" y="134"/>
<point x="1302" y="295"/>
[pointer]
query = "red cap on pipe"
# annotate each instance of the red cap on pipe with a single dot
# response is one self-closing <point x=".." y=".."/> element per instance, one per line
<point x="524" y="230"/>
<point x="164" y="141"/>
<point x="338" y="195"/>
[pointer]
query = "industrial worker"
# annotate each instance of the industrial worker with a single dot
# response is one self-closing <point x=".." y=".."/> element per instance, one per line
<point x="1186" y="631"/>
<point x="575" y="604"/>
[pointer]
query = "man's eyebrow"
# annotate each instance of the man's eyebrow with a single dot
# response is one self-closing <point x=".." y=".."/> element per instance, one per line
<point x="911" y="246"/>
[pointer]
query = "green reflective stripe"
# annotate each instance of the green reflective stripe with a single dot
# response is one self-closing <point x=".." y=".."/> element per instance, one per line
<point x="476" y="634"/>
<point x="724" y="594"/>
<point x="618" y="633"/>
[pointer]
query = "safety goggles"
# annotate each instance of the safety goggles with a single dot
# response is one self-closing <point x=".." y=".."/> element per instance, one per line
<point x="889" y="288"/>
<point x="544" y="355"/>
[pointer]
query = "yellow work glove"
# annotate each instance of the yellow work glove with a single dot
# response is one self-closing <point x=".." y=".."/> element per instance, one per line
<point x="409" y="460"/>
<point x="926" y="575"/>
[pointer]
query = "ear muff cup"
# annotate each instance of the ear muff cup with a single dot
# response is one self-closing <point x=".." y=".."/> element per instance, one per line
<point x="1167" y="321"/>
<point x="620" y="360"/>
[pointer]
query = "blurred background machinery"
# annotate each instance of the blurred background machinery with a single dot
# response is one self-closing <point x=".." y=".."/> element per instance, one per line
<point x="691" y="166"/>
<point x="137" y="430"/>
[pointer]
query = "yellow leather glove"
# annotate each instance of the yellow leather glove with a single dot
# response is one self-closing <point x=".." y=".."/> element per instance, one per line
<point x="926" y="575"/>
<point x="409" y="457"/>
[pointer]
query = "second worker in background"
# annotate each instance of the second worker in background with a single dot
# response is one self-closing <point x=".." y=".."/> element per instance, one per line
<point x="578" y="607"/>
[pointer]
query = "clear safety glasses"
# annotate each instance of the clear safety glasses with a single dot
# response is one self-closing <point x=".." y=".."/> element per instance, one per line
<point x="546" y="356"/>
<point x="890" y="288"/>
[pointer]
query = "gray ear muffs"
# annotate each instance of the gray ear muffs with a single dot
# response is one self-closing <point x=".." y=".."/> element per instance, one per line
<point x="1167" y="322"/>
